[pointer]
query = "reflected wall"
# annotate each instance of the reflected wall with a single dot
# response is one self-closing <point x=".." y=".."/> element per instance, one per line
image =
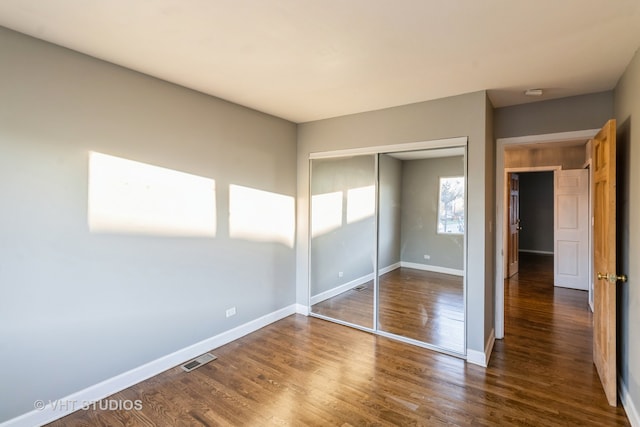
<point x="421" y="275"/>
<point x="343" y="236"/>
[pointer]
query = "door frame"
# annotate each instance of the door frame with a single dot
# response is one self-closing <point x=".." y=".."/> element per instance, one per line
<point x="501" y="144"/>
<point x="505" y="208"/>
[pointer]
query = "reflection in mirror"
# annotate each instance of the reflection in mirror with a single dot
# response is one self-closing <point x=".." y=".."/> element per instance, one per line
<point x="343" y="237"/>
<point x="421" y="246"/>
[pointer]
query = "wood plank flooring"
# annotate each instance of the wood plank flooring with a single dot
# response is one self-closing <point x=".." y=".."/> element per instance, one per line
<point x="417" y="304"/>
<point x="306" y="371"/>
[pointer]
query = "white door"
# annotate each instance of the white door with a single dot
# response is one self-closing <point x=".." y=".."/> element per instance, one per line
<point x="571" y="229"/>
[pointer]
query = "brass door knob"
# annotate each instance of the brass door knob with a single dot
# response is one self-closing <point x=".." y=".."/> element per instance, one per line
<point x="613" y="278"/>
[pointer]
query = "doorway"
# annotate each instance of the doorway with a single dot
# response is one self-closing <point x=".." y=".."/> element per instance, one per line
<point x="531" y="217"/>
<point x="563" y="141"/>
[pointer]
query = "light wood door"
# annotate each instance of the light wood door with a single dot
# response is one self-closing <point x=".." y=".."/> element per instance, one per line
<point x="604" y="257"/>
<point x="571" y="229"/>
<point x="514" y="224"/>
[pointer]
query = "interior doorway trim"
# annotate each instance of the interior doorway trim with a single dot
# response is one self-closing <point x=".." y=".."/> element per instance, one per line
<point x="501" y="144"/>
<point x="505" y="205"/>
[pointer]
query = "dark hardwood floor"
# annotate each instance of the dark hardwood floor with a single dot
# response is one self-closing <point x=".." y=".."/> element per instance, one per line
<point x="306" y="371"/>
<point x="416" y="304"/>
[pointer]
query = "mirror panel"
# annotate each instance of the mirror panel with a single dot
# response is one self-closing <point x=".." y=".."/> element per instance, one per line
<point x="422" y="246"/>
<point x="343" y="239"/>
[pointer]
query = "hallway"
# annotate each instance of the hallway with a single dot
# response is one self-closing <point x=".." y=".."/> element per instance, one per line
<point x="547" y="349"/>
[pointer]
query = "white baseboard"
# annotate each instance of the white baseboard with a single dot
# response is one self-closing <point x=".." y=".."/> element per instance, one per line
<point x="532" y="251"/>
<point x="629" y="406"/>
<point x="341" y="288"/>
<point x="364" y="279"/>
<point x="127" y="379"/>
<point x="302" y="309"/>
<point x="391" y="267"/>
<point x="480" y="358"/>
<point x="434" y="268"/>
<point x="350" y="285"/>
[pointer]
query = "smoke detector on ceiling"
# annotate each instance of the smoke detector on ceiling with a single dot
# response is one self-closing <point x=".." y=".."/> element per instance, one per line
<point x="533" y="92"/>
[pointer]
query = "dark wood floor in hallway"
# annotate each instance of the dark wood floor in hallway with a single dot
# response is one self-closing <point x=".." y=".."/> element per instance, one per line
<point x="306" y="371"/>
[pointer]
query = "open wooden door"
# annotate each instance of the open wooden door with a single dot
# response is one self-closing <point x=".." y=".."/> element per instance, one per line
<point x="513" y="243"/>
<point x="604" y="258"/>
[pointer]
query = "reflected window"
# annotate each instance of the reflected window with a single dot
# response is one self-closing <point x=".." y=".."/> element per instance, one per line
<point x="451" y="205"/>
<point x="131" y="197"/>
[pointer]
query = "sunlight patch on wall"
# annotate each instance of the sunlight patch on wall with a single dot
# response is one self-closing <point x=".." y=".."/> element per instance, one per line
<point x="361" y="203"/>
<point x="326" y="213"/>
<point x="131" y="197"/>
<point x="261" y="216"/>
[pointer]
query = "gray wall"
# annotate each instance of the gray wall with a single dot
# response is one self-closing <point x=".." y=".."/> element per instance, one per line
<point x="389" y="222"/>
<point x="559" y="115"/>
<point x="350" y="248"/>
<point x="536" y="211"/>
<point x="77" y="308"/>
<point x="420" y="192"/>
<point x="464" y="115"/>
<point x="627" y="114"/>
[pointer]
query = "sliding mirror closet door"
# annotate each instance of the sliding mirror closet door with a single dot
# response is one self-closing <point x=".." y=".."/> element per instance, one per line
<point x="421" y="247"/>
<point x="343" y="239"/>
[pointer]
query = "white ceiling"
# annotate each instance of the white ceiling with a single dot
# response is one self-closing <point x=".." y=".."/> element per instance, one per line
<point x="305" y="60"/>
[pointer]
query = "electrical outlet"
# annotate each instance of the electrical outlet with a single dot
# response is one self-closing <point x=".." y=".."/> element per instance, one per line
<point x="231" y="311"/>
<point x="340" y="273"/>
<point x="427" y="256"/>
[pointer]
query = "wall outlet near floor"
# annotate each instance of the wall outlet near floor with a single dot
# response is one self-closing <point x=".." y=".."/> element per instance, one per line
<point x="231" y="312"/>
<point x="426" y="256"/>
<point x="340" y="273"/>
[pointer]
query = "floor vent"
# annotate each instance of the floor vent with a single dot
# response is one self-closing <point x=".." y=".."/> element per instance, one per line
<point x="198" y="361"/>
<point x="360" y="288"/>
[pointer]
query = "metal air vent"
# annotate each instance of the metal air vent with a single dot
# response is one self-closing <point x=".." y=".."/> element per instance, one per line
<point x="198" y="361"/>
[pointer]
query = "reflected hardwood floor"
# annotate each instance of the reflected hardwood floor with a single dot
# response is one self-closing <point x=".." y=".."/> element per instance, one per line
<point x="424" y="306"/>
<point x="353" y="306"/>
<point x="306" y="371"/>
<point x="417" y="304"/>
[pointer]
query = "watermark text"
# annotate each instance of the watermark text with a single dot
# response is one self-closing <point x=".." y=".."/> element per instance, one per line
<point x="102" y="405"/>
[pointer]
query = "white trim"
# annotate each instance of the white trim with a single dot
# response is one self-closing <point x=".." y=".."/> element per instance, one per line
<point x="127" y="379"/>
<point x="629" y="407"/>
<point x="302" y="309"/>
<point x="502" y="227"/>
<point x="480" y="358"/>
<point x="533" y="251"/>
<point x="501" y="143"/>
<point x="349" y="285"/>
<point x="341" y="288"/>
<point x="390" y="268"/>
<point x="434" y="268"/>
<point x="409" y="146"/>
